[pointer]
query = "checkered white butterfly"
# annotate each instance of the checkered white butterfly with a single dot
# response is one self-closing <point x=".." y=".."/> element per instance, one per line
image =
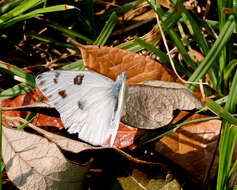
<point x="89" y="103"/>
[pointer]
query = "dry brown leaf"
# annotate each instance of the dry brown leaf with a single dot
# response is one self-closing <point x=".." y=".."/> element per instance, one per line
<point x="32" y="162"/>
<point x="19" y="107"/>
<point x="192" y="147"/>
<point x="150" y="105"/>
<point x="111" y="62"/>
<point x="20" y="143"/>
<point x="140" y="181"/>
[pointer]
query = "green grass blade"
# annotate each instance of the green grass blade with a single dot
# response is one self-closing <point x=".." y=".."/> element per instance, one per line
<point x="15" y="91"/>
<point x="214" y="51"/>
<point x="121" y="9"/>
<point x="234" y="167"/>
<point x="52" y="41"/>
<point x="21" y="8"/>
<point x="219" y="102"/>
<point x="179" y="44"/>
<point x="196" y="32"/>
<point x="1" y="149"/>
<point x="228" y="70"/>
<point x="130" y="46"/>
<point x="76" y="66"/>
<point x="221" y="112"/>
<point x="106" y="31"/>
<point x="227" y="141"/>
<point x="172" y="34"/>
<point x="162" y="55"/>
<point x="70" y="33"/>
<point x="9" y="5"/>
<point x="18" y="74"/>
<point x="30" y="118"/>
<point x="32" y="14"/>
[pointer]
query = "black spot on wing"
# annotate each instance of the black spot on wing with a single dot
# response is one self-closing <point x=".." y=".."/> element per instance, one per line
<point x="39" y="76"/>
<point x="78" y="79"/>
<point x="57" y="74"/>
<point x="55" y="81"/>
<point x="80" y="105"/>
<point x="62" y="93"/>
<point x="42" y="83"/>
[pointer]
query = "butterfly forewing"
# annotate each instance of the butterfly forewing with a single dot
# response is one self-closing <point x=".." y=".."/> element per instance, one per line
<point x="84" y="100"/>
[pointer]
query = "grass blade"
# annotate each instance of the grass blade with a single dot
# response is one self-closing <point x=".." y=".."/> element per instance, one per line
<point x="52" y="41"/>
<point x="221" y="112"/>
<point x="214" y="51"/>
<point x="227" y="141"/>
<point x="161" y="54"/>
<point x="32" y="14"/>
<point x="14" y="91"/>
<point x="1" y="149"/>
<point x="21" y="8"/>
<point x="106" y="31"/>
<point x="69" y="33"/>
<point x="18" y="74"/>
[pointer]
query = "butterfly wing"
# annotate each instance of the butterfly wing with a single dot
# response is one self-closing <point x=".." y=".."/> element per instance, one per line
<point x="119" y="90"/>
<point x="84" y="100"/>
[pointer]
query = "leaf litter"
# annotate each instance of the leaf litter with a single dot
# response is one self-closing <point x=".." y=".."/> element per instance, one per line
<point x="107" y="61"/>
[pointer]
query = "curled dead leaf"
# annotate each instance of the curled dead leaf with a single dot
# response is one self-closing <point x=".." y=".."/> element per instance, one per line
<point x="150" y="105"/>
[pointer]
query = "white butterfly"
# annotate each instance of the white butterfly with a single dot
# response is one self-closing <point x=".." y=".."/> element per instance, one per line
<point x="89" y="103"/>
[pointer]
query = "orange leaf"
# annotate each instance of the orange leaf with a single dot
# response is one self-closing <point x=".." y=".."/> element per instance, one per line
<point x="125" y="136"/>
<point x="111" y="62"/>
<point x="192" y="147"/>
<point x="26" y="99"/>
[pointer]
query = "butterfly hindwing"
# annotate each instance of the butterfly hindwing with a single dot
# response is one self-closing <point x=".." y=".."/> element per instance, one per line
<point x="84" y="100"/>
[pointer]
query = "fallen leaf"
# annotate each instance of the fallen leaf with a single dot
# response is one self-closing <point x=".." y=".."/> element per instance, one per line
<point x="192" y="147"/>
<point x="150" y="105"/>
<point x="27" y="148"/>
<point x="125" y="136"/>
<point x="19" y="107"/>
<point x="110" y="61"/>
<point x="32" y="162"/>
<point x="180" y="96"/>
<point x="139" y="180"/>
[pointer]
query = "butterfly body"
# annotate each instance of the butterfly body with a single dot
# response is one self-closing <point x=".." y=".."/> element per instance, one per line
<point x="89" y="103"/>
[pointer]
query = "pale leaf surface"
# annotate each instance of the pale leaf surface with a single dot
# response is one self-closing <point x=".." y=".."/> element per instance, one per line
<point x="150" y="105"/>
<point x="32" y="162"/>
<point x="180" y="96"/>
<point x="145" y="108"/>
